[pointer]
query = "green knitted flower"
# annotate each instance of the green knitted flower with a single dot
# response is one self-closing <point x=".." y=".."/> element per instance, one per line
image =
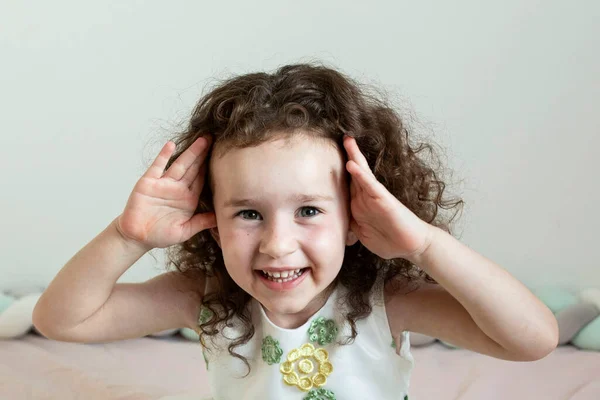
<point x="322" y="330"/>
<point x="205" y="315"/>
<point x="320" y="394"/>
<point x="271" y="351"/>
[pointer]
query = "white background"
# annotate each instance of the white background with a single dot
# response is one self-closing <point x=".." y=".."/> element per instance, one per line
<point x="510" y="91"/>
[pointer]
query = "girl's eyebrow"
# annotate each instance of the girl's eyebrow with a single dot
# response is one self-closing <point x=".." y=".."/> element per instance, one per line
<point x="299" y="198"/>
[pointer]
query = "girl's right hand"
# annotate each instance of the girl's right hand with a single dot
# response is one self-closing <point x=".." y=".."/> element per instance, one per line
<point x="160" y="210"/>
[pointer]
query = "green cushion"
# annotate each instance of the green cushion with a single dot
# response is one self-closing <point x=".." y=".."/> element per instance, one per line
<point x="189" y="334"/>
<point x="589" y="337"/>
<point x="556" y="299"/>
<point x="5" y="301"/>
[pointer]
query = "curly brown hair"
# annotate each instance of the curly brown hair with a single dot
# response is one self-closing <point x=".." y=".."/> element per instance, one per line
<point x="250" y="109"/>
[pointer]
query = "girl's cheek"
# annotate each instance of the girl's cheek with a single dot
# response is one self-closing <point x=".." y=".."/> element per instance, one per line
<point x="322" y="236"/>
<point x="239" y="236"/>
<point x="237" y="247"/>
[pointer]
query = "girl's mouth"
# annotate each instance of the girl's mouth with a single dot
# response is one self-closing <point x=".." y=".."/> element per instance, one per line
<point x="282" y="281"/>
<point x="281" y="277"/>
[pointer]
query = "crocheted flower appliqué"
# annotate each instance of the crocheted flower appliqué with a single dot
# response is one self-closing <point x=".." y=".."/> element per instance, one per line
<point x="298" y="369"/>
<point x="320" y="394"/>
<point x="322" y="331"/>
<point x="205" y="315"/>
<point x="271" y="351"/>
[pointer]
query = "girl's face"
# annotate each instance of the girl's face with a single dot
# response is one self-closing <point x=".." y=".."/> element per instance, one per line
<point x="283" y="222"/>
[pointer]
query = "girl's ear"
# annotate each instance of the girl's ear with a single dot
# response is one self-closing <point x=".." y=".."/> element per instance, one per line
<point x="214" y="232"/>
<point x="351" y="238"/>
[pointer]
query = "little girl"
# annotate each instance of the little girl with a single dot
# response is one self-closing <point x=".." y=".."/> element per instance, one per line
<point x="313" y="250"/>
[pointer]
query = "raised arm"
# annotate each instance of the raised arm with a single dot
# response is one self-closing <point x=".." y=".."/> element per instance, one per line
<point x="84" y="303"/>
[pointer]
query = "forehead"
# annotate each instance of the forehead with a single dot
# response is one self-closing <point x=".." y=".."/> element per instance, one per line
<point x="279" y="168"/>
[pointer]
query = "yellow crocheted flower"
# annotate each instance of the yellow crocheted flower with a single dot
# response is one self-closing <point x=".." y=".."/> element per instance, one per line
<point x="306" y="367"/>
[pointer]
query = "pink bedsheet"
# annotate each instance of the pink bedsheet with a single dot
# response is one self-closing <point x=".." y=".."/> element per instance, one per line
<point x="33" y="367"/>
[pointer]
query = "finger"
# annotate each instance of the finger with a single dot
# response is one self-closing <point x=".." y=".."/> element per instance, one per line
<point x="355" y="154"/>
<point x="186" y="160"/>
<point x="196" y="186"/>
<point x="354" y="188"/>
<point x="200" y="222"/>
<point x="158" y="166"/>
<point x="366" y="181"/>
<point x="198" y="167"/>
<point x="193" y="171"/>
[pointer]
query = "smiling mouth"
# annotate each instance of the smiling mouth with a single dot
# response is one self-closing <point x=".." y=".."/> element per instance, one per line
<point x="285" y="276"/>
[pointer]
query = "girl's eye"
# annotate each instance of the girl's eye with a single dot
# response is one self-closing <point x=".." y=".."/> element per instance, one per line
<point x="309" y="212"/>
<point x="249" y="214"/>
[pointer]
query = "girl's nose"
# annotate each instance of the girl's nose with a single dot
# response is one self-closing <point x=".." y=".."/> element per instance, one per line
<point x="278" y="240"/>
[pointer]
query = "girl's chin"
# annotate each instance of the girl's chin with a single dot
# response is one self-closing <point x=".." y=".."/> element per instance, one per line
<point x="287" y="307"/>
<point x="290" y="313"/>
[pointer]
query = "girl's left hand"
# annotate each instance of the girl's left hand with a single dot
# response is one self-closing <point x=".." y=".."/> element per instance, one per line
<point x="380" y="221"/>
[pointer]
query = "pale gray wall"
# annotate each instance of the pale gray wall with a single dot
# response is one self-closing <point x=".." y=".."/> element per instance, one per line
<point x="510" y="89"/>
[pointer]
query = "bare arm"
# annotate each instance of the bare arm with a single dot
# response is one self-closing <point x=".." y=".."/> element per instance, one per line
<point x="478" y="305"/>
<point x="85" y="304"/>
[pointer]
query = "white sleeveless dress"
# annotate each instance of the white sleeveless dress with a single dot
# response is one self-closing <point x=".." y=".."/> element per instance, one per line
<point x="308" y="363"/>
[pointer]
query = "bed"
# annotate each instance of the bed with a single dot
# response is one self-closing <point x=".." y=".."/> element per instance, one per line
<point x="172" y="367"/>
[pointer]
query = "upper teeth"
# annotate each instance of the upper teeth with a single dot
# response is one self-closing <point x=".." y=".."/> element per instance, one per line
<point x="283" y="274"/>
